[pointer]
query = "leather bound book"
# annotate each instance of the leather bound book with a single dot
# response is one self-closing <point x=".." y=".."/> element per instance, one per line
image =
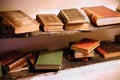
<point x="85" y="45"/>
<point x="50" y="22"/>
<point x="18" y="21"/>
<point x="101" y="15"/>
<point x="108" y="49"/>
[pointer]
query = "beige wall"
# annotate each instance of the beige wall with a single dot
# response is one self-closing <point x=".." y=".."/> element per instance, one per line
<point x="33" y="7"/>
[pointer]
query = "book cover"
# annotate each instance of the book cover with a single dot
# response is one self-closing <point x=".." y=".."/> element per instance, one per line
<point x="18" y="21"/>
<point x="85" y="45"/>
<point x="71" y="16"/>
<point x="101" y="15"/>
<point x="49" y="60"/>
<point x="75" y="24"/>
<point x="108" y="49"/>
<point x="50" y="22"/>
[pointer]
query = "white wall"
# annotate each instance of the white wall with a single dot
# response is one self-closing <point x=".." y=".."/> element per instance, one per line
<point x="33" y="7"/>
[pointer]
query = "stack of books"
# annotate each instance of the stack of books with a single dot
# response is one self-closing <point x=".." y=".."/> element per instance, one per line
<point x="74" y="19"/>
<point x="84" y="49"/>
<point x="49" y="22"/>
<point x="16" y="23"/>
<point x="16" y="60"/>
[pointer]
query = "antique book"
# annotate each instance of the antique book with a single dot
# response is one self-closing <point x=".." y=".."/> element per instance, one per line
<point x="19" y="22"/>
<point x="108" y="49"/>
<point x="16" y="60"/>
<point x="50" y="22"/>
<point x="101" y="15"/>
<point x="80" y="20"/>
<point x="79" y="54"/>
<point x="72" y="16"/>
<point x="72" y="58"/>
<point x="85" y="45"/>
<point x="49" y="60"/>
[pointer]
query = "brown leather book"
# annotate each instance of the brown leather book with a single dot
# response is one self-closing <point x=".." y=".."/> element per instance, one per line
<point x="101" y="15"/>
<point x="74" y="19"/>
<point x="85" y="45"/>
<point x="18" y="21"/>
<point x="71" y="16"/>
<point x="50" y="22"/>
<point x="108" y="49"/>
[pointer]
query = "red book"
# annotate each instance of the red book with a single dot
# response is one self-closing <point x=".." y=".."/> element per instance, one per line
<point x="85" y="45"/>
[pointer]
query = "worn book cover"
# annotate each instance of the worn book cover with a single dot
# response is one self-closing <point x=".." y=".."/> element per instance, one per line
<point x="85" y="45"/>
<point x="108" y="49"/>
<point x="18" y="21"/>
<point x="73" y="15"/>
<point x="49" y="60"/>
<point x="102" y="15"/>
<point x="50" y="22"/>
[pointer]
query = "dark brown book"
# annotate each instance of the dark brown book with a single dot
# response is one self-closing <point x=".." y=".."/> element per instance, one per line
<point x="18" y="21"/>
<point x="20" y="63"/>
<point x="85" y="45"/>
<point x="50" y="22"/>
<point x="109" y="49"/>
<point x="8" y="60"/>
<point x="101" y="15"/>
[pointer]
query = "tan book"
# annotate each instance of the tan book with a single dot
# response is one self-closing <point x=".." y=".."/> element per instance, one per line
<point x="101" y="15"/>
<point x="50" y="22"/>
<point x="18" y="21"/>
<point x="85" y="45"/>
<point x="72" y="16"/>
<point x="79" y="54"/>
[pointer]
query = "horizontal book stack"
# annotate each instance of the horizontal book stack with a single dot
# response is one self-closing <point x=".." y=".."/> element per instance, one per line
<point x="16" y="24"/>
<point x="74" y="19"/>
<point x="15" y="60"/>
<point x="49" y="22"/>
<point x="84" y="49"/>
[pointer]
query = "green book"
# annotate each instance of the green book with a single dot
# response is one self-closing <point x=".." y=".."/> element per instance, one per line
<point x="0" y="70"/>
<point x="49" y="60"/>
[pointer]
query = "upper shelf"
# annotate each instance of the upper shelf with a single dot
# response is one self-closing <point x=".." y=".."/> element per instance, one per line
<point x="68" y="32"/>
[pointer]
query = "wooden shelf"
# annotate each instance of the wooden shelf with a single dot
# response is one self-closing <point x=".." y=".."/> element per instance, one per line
<point x="68" y="32"/>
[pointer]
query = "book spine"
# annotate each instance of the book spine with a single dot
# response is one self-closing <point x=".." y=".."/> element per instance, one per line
<point x="101" y="51"/>
<point x="93" y="17"/>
